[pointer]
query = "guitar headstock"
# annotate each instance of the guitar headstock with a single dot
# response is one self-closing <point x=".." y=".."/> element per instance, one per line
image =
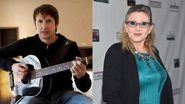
<point x="87" y="60"/>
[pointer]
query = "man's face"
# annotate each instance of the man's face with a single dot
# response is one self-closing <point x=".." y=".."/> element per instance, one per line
<point x="45" y="26"/>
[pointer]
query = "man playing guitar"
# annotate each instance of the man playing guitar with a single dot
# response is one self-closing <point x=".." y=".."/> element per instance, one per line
<point x="50" y="48"/>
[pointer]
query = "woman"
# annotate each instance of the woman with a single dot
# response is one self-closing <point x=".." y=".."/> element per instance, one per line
<point x="133" y="70"/>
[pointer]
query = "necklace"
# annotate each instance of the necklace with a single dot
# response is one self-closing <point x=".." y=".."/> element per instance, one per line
<point x="144" y="56"/>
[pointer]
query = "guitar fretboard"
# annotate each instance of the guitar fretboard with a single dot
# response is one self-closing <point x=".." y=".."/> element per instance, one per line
<point x="51" y="70"/>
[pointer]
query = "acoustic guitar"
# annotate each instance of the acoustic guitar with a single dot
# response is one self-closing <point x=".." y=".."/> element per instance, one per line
<point x="36" y="85"/>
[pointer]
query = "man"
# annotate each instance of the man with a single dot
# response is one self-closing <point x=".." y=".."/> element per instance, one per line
<point x="49" y="46"/>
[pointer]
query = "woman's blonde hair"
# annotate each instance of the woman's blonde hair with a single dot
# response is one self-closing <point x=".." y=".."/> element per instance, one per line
<point x="149" y="42"/>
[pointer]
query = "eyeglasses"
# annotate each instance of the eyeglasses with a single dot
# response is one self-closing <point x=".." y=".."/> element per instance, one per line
<point x="142" y="24"/>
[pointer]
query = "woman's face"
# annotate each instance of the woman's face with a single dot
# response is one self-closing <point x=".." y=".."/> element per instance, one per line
<point x="138" y="27"/>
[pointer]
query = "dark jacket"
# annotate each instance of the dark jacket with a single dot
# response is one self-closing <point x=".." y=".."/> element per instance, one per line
<point x="120" y="78"/>
<point x="33" y="45"/>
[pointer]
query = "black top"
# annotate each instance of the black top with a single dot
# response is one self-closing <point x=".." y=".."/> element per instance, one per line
<point x="33" y="45"/>
<point x="120" y="78"/>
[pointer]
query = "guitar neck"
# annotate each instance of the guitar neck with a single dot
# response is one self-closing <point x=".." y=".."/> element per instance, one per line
<point x="57" y="68"/>
<point x="51" y="70"/>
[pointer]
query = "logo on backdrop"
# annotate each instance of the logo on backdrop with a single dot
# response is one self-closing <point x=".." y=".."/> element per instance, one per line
<point x="155" y="3"/>
<point x="170" y="36"/>
<point x="174" y="6"/>
<point x="176" y="62"/>
<point x="96" y="37"/>
<point x="176" y="91"/>
<point x="131" y="2"/>
<point x="103" y="1"/>
<point x="98" y="75"/>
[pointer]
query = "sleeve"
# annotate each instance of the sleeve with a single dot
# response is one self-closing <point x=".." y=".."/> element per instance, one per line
<point x="6" y="55"/>
<point x="167" y="92"/>
<point x="12" y="50"/>
<point x="83" y="84"/>
<point x="112" y="76"/>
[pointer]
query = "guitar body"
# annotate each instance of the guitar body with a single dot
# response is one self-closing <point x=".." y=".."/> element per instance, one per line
<point x="35" y="87"/>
